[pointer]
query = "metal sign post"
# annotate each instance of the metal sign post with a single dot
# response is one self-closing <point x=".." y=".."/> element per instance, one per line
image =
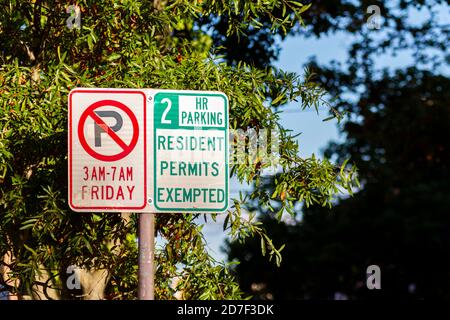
<point x="146" y="275"/>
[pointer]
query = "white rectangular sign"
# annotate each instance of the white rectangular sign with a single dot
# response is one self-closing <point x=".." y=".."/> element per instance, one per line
<point x="190" y="151"/>
<point x="148" y="150"/>
<point x="107" y="150"/>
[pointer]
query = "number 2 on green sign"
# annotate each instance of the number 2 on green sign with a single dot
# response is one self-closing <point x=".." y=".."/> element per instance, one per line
<point x="164" y="115"/>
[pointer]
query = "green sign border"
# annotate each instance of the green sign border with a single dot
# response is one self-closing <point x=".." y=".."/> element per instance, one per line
<point x="227" y="161"/>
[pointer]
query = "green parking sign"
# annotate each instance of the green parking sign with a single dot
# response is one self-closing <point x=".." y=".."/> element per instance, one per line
<point x="190" y="159"/>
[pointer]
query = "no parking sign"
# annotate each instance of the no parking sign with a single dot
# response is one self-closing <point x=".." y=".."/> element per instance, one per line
<point x="107" y="150"/>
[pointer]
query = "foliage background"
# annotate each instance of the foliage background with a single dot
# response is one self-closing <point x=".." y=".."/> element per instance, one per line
<point x="396" y="134"/>
<point x="139" y="44"/>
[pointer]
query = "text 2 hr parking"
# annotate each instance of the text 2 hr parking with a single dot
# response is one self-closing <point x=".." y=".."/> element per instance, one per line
<point x="111" y="173"/>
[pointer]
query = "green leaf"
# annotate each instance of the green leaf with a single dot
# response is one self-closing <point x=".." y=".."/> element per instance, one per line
<point x="114" y="56"/>
<point x="88" y="245"/>
<point x="263" y="246"/>
<point x="329" y="118"/>
<point x="278" y="99"/>
<point x="30" y="249"/>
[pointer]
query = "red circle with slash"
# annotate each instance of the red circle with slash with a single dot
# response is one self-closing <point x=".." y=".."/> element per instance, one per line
<point x="126" y="148"/>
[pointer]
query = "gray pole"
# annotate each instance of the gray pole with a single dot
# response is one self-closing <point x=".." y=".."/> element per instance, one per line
<point x="146" y="276"/>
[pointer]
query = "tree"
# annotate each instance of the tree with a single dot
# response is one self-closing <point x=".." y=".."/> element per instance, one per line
<point x="398" y="221"/>
<point x="147" y="44"/>
<point x="398" y="30"/>
<point x="396" y="136"/>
